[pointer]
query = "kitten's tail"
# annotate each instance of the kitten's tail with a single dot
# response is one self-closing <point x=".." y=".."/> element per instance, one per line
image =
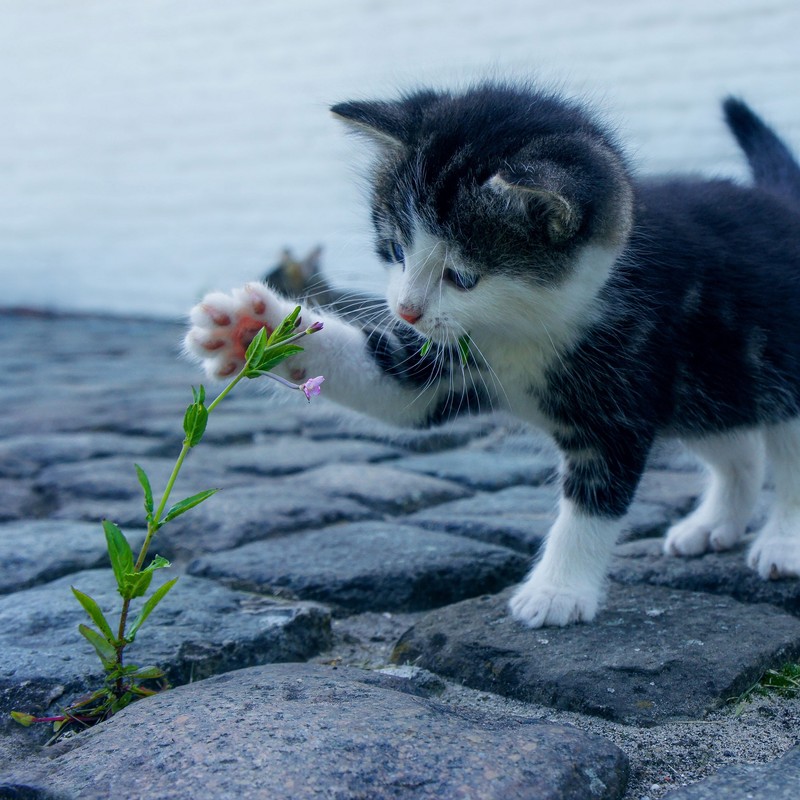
<point x="773" y="166"/>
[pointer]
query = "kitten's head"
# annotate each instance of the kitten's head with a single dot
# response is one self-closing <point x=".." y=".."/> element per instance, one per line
<point x="494" y="200"/>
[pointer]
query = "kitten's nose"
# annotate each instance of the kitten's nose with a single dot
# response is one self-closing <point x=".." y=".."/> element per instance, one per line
<point x="409" y="313"/>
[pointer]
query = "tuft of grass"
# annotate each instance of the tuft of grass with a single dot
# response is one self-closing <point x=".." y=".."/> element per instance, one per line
<point x="783" y="682"/>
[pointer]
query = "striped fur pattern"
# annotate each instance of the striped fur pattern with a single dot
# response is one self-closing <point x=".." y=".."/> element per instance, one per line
<point x="607" y="310"/>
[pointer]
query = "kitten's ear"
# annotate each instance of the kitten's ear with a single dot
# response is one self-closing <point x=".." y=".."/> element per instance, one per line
<point x="543" y="188"/>
<point x="384" y="123"/>
<point x="393" y="125"/>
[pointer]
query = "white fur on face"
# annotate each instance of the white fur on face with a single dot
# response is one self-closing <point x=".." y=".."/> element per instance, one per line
<point x="419" y="285"/>
<point x="505" y="315"/>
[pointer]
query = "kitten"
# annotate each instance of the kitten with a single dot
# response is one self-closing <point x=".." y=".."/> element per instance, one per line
<point x="604" y="309"/>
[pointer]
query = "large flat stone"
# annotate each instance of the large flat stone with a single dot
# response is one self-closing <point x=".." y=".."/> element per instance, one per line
<point x="272" y="456"/>
<point x="296" y="732"/>
<point x="326" y="420"/>
<point x="229" y="425"/>
<point x="201" y="628"/>
<point x="652" y="655"/>
<point x="479" y="469"/>
<point x="264" y="509"/>
<point x="127" y="514"/>
<point x="115" y="478"/>
<point x="778" y="780"/>
<point x="24" y="456"/>
<point x="381" y="487"/>
<point x="368" y="566"/>
<point x="518" y="517"/>
<point x="37" y="551"/>
<point x="17" y="500"/>
<point x="720" y="573"/>
<point x="313" y="499"/>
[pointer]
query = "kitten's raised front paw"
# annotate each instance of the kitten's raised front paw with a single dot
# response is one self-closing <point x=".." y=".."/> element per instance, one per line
<point x="223" y="325"/>
<point x="537" y="603"/>
<point x="775" y="554"/>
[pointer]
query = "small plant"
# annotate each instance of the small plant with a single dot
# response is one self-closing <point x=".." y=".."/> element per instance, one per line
<point x="125" y="682"/>
<point x="784" y="682"/>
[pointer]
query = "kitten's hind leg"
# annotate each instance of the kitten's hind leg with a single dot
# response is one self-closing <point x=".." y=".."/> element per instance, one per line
<point x="736" y="464"/>
<point x="776" y="551"/>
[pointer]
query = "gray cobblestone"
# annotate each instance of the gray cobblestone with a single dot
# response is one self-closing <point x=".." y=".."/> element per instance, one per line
<point x="372" y="522"/>
<point x="368" y="566"/>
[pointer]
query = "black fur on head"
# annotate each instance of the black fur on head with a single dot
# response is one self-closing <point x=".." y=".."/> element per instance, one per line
<point x="516" y="178"/>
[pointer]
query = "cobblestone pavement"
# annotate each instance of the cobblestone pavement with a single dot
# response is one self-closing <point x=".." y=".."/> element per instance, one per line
<point x="339" y="628"/>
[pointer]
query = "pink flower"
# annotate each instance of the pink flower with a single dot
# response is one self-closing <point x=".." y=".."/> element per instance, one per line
<point x="312" y="386"/>
<point x="313" y="328"/>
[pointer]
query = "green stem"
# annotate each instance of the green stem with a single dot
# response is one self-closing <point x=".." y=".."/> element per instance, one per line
<point x="228" y="388"/>
<point x="152" y="528"/>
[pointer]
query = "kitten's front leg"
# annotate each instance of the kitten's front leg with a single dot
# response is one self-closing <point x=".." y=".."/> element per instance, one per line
<point x="567" y="583"/>
<point x="382" y="374"/>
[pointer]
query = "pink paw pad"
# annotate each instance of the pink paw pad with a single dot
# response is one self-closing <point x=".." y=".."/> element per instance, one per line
<point x="223" y="325"/>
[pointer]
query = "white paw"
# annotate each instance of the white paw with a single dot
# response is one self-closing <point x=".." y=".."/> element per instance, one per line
<point x="776" y="554"/>
<point x="538" y="602"/>
<point x="700" y="532"/>
<point x="223" y="325"/>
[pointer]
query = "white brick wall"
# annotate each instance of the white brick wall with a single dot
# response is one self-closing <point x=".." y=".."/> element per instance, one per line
<point x="152" y="149"/>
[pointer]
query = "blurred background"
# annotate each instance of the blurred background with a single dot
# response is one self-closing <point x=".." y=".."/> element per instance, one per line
<point x="151" y="150"/>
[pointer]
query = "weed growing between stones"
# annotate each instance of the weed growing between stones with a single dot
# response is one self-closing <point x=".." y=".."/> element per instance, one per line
<point x="784" y="682"/>
<point x="124" y="682"/>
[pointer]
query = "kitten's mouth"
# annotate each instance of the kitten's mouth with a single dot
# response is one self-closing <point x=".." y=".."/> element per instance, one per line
<point x="463" y="345"/>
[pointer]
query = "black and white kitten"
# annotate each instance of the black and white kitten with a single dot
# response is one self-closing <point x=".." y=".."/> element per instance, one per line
<point x="606" y="310"/>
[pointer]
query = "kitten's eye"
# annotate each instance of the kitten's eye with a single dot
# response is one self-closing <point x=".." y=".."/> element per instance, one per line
<point x="460" y="280"/>
<point x="396" y="252"/>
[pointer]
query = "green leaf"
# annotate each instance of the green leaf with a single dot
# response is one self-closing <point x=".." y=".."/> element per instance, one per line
<point x="463" y="349"/>
<point x="119" y="552"/>
<point x="151" y="602"/>
<point x="121" y="702"/>
<point x="94" y="612"/>
<point x="285" y="329"/>
<point x="199" y="395"/>
<point x="136" y="584"/>
<point x="148" y="491"/>
<point x="256" y="348"/>
<point x="24" y="719"/>
<point x="105" y="650"/>
<point x="194" y="423"/>
<point x="184" y="505"/>
<point x="158" y="562"/>
<point x="147" y="674"/>
<point x="425" y="348"/>
<point x="271" y="358"/>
